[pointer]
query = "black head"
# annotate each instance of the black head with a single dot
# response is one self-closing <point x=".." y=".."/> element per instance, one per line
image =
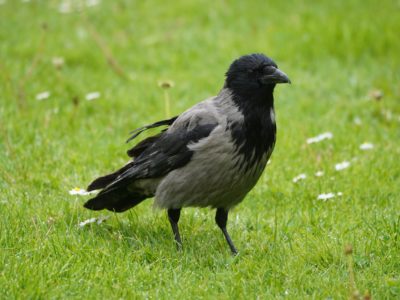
<point x="254" y="74"/>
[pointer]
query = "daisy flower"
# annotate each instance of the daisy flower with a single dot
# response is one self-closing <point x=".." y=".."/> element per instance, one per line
<point x="320" y="137"/>
<point x="79" y="191"/>
<point x="98" y="220"/>
<point x="328" y="196"/>
<point x="92" y="96"/>
<point x="319" y="173"/>
<point x="299" y="177"/>
<point x="341" y="166"/>
<point x="366" y="146"/>
<point x="43" y="95"/>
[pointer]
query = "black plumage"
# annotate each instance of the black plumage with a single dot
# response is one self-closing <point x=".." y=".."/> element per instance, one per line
<point x="210" y="155"/>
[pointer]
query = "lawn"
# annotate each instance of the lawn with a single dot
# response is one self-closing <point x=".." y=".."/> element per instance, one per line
<point x="344" y="62"/>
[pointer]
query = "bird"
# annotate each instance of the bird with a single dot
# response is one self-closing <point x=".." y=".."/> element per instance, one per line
<point x="211" y="155"/>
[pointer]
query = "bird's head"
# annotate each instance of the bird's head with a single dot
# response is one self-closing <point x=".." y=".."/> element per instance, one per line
<point x="254" y="74"/>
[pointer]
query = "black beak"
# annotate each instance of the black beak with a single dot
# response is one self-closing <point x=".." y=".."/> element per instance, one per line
<point x="277" y="76"/>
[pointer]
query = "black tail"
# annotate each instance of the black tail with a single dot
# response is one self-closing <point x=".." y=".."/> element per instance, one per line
<point x="117" y="200"/>
<point x="103" y="181"/>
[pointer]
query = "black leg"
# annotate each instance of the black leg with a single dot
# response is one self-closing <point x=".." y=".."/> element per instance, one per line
<point x="173" y="217"/>
<point x="221" y="217"/>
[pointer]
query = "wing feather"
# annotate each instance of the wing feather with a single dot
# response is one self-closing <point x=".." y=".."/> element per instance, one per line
<point x="138" y="131"/>
<point x="170" y="151"/>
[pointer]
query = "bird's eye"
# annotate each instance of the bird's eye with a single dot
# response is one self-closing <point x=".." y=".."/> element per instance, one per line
<point x="257" y="71"/>
<point x="269" y="69"/>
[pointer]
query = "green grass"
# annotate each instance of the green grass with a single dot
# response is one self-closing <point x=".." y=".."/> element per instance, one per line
<point x="291" y="244"/>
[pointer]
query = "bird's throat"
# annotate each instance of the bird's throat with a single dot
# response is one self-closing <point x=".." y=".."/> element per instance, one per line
<point x="255" y="136"/>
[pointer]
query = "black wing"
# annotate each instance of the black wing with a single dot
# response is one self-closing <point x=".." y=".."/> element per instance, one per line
<point x="143" y="145"/>
<point x="105" y="180"/>
<point x="168" y="152"/>
<point x="153" y="157"/>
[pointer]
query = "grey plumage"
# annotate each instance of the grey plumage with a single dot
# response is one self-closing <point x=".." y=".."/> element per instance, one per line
<point x="215" y="176"/>
<point x="210" y="155"/>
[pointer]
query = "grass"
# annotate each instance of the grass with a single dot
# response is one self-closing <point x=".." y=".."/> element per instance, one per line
<point x="291" y="244"/>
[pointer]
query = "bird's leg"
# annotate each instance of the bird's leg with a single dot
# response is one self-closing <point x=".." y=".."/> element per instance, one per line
<point x="221" y="217"/>
<point x="173" y="217"/>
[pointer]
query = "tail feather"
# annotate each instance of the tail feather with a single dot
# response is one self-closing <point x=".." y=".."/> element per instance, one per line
<point x="117" y="200"/>
<point x="103" y="181"/>
<point x="142" y="146"/>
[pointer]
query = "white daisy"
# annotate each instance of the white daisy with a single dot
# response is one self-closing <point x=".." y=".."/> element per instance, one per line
<point x="319" y="173"/>
<point x="320" y="137"/>
<point x="79" y="191"/>
<point x="43" y="95"/>
<point x="341" y="166"/>
<point x="328" y="196"/>
<point x="325" y="197"/>
<point x="92" y="96"/>
<point x="98" y="220"/>
<point x="366" y="146"/>
<point x="88" y="221"/>
<point x="299" y="177"/>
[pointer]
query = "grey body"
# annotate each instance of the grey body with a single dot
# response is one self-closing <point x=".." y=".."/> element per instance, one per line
<point x="215" y="175"/>
<point x="220" y="182"/>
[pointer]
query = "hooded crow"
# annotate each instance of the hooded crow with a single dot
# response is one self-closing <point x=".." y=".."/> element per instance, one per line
<point x="210" y="155"/>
